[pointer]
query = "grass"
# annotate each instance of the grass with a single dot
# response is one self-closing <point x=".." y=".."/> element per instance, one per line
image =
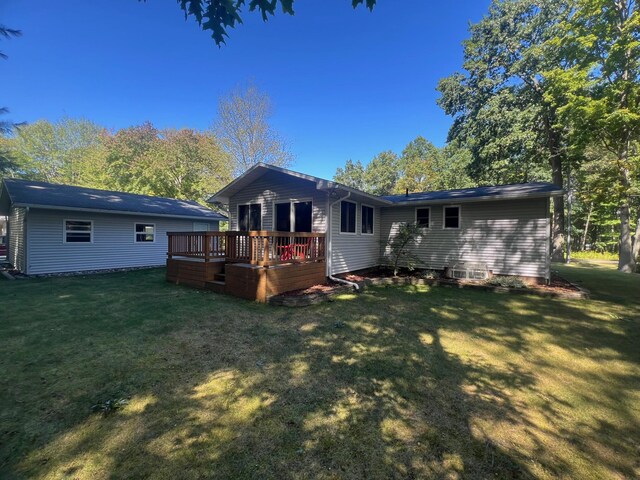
<point x="398" y="382"/>
<point x="593" y="255"/>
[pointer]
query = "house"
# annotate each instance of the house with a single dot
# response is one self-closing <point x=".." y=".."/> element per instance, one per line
<point x="282" y="223"/>
<point x="61" y="228"/>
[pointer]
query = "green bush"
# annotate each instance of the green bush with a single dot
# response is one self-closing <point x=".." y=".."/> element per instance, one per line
<point x="593" y="255"/>
<point x="510" y="282"/>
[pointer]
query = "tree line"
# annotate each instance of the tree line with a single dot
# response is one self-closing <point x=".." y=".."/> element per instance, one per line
<point x="549" y="90"/>
<point x="177" y="163"/>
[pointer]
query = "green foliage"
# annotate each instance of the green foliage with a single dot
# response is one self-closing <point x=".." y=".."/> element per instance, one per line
<point x="421" y="167"/>
<point x="594" y="255"/>
<point x="217" y="16"/>
<point x="398" y="249"/>
<point x="506" y="281"/>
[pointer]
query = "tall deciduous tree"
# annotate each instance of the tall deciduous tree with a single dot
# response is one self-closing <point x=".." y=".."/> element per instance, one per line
<point x="352" y="175"/>
<point x="498" y="104"/>
<point x="217" y="16"/>
<point x="382" y="173"/>
<point x="6" y="126"/>
<point x="245" y="133"/>
<point x="68" y="151"/>
<point x="599" y="96"/>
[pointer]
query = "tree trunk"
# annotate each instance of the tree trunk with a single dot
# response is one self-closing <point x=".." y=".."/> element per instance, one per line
<point x="557" y="234"/>
<point x="586" y="227"/>
<point x="626" y="260"/>
<point x="636" y="241"/>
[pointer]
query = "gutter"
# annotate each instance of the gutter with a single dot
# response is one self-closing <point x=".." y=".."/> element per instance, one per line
<point x="455" y="201"/>
<point x="355" y="286"/>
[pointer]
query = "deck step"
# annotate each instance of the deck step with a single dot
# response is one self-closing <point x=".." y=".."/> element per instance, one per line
<point x="219" y="277"/>
<point x="216" y="286"/>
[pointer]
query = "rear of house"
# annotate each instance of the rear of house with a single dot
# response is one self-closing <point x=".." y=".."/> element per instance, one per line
<point x="505" y="229"/>
<point x="60" y="228"/>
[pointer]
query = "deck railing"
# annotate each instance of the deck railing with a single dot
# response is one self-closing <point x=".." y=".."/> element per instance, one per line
<point x="261" y="247"/>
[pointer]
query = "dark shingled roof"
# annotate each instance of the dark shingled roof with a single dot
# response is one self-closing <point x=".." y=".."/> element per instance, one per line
<point x="51" y="195"/>
<point x="516" y="190"/>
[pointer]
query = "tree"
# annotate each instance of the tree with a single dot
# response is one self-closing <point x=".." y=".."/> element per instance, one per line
<point x="499" y="106"/>
<point x="217" y="16"/>
<point x="418" y="164"/>
<point x="244" y="132"/>
<point x="398" y="248"/>
<point x="187" y="164"/>
<point x="68" y="151"/>
<point x="6" y="126"/>
<point x="352" y="175"/>
<point x="599" y="96"/>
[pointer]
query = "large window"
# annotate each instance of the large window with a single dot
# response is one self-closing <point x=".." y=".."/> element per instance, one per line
<point x="451" y="217"/>
<point x="423" y="217"/>
<point x="347" y="217"/>
<point x="283" y="217"/>
<point x="302" y="216"/>
<point x="250" y="217"/>
<point x="145" y="232"/>
<point x="78" y="231"/>
<point x="367" y="219"/>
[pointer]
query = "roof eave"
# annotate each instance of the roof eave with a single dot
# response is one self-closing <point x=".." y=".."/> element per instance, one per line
<point x="219" y="218"/>
<point x="487" y="198"/>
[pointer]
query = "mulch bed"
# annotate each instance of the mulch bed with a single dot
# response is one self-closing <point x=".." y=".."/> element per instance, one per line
<point x="558" y="287"/>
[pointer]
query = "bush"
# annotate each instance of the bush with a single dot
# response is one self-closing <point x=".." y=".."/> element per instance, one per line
<point x="594" y="255"/>
<point x="509" y="282"/>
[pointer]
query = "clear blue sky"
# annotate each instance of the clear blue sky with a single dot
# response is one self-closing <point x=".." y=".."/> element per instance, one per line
<point x="345" y="83"/>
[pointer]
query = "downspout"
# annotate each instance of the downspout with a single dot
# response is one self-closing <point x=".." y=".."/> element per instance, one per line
<point x="355" y="286"/>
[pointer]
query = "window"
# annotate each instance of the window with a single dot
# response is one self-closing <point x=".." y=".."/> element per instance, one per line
<point x="78" y="231"/>
<point x="423" y="217"/>
<point x="302" y="216"/>
<point x="347" y="217"/>
<point x="250" y="217"/>
<point x="367" y="219"/>
<point x="283" y="217"/>
<point x="145" y="232"/>
<point x="451" y="217"/>
<point x="201" y="227"/>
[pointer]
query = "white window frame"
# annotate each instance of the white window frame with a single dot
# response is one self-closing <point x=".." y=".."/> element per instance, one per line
<point x="292" y="213"/>
<point x="65" y="231"/>
<point x="355" y="230"/>
<point x="373" y="219"/>
<point x="430" y="218"/>
<point x="200" y="223"/>
<point x="135" y="233"/>
<point x="249" y="205"/>
<point x="444" y="209"/>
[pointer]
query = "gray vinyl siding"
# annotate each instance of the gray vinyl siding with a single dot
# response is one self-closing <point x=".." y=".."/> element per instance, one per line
<point x="16" y="252"/>
<point x="512" y="237"/>
<point x="113" y="243"/>
<point x="350" y="251"/>
<point x="273" y="187"/>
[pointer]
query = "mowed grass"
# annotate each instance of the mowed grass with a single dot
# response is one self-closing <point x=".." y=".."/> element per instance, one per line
<point x="397" y="382"/>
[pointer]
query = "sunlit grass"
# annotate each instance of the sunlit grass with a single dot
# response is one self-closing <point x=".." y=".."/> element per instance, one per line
<point x="397" y="382"/>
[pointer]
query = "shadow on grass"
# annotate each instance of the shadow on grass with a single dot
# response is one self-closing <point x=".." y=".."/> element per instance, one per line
<point x="386" y="386"/>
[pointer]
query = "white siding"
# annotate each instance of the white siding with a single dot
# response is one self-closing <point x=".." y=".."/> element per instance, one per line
<point x="351" y="252"/>
<point x="16" y="241"/>
<point x="512" y="237"/>
<point x="113" y="243"/>
<point x="275" y="186"/>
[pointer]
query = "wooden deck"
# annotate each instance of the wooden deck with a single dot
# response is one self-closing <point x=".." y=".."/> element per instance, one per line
<point x="253" y="265"/>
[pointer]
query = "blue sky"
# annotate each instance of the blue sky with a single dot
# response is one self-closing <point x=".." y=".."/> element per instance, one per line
<point x="345" y="83"/>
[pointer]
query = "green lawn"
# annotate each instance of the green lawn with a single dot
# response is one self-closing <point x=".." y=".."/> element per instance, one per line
<point x="398" y="382"/>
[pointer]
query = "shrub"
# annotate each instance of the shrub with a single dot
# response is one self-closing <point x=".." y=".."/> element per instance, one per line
<point x="594" y="255"/>
<point x="509" y="282"/>
<point x="399" y="247"/>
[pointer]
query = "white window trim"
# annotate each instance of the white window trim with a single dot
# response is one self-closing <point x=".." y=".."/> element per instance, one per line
<point x="430" y="218"/>
<point x="292" y="216"/>
<point x="249" y="205"/>
<point x="135" y="236"/>
<point x="64" y="231"/>
<point x="340" y="232"/>
<point x="373" y="219"/>
<point x="444" y="209"/>
<point x="201" y="223"/>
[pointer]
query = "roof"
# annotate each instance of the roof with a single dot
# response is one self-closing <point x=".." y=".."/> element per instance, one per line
<point x="260" y="169"/>
<point x="497" y="192"/>
<point x="28" y="193"/>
